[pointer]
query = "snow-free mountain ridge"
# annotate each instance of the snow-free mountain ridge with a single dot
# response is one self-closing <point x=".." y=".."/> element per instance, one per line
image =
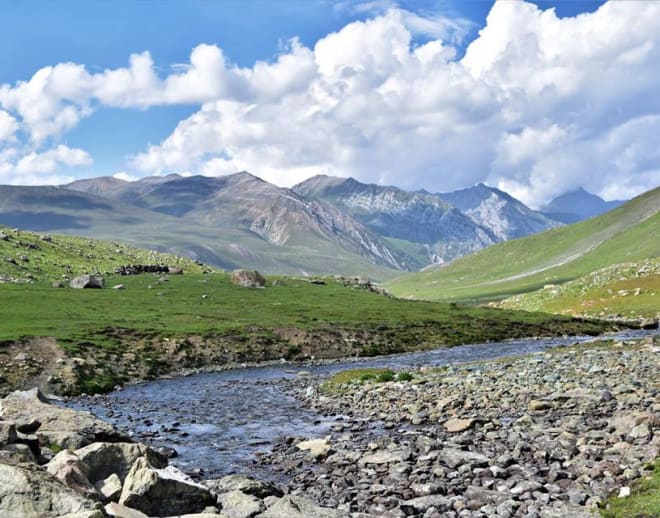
<point x="322" y="225"/>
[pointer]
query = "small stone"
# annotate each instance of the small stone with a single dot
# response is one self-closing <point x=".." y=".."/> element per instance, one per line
<point x="458" y="425"/>
<point x="624" y="492"/>
<point x="537" y="405"/>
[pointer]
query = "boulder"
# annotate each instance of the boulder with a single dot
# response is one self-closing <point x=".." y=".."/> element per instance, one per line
<point x="87" y="281"/>
<point x="105" y="458"/>
<point x="236" y="504"/>
<point x="172" y="270"/>
<point x="109" y="488"/>
<point x="67" y="467"/>
<point x="28" y="491"/>
<point x="62" y="427"/>
<point x="242" y="484"/>
<point x="297" y="507"/>
<point x="16" y="453"/>
<point x="247" y="278"/>
<point x="121" y="511"/>
<point x="7" y="433"/>
<point x="163" y="492"/>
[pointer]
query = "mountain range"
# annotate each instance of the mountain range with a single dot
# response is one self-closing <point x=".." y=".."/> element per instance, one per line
<point x="322" y="225"/>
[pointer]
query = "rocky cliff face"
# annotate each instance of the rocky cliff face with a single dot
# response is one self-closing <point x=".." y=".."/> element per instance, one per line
<point x="506" y="217"/>
<point x="410" y="216"/>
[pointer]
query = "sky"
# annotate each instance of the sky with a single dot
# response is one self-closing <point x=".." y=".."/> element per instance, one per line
<point x="535" y="98"/>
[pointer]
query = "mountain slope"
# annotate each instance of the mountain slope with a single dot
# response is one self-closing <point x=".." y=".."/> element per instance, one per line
<point x="625" y="234"/>
<point x="578" y="205"/>
<point x="412" y="217"/>
<point x="242" y="201"/>
<point x="506" y="217"/>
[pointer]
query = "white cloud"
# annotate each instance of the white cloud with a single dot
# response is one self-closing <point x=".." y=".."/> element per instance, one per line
<point x="538" y="104"/>
<point x="8" y="127"/>
<point x="41" y="168"/>
<point x="48" y="161"/>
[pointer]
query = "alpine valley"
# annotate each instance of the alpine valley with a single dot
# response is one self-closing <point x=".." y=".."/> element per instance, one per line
<point x="323" y="225"/>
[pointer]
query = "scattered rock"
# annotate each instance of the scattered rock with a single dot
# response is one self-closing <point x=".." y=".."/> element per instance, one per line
<point x="296" y="507"/>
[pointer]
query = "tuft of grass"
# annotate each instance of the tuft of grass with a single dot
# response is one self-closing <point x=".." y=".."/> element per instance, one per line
<point x="340" y="381"/>
<point x="644" y="501"/>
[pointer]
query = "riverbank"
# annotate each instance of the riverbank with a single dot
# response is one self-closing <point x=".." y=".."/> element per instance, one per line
<point x="552" y="434"/>
<point x="549" y="434"/>
<point x="90" y="341"/>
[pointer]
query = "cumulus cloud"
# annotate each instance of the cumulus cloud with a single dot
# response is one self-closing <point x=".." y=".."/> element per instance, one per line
<point x="538" y="104"/>
<point x="8" y="127"/>
<point x="39" y="168"/>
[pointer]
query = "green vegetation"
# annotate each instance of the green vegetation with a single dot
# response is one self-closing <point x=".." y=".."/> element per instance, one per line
<point x="552" y="257"/>
<point x="26" y="256"/>
<point x="644" y="501"/>
<point x="210" y="305"/>
<point x="340" y="381"/>
<point x="161" y="324"/>
<point x="629" y="290"/>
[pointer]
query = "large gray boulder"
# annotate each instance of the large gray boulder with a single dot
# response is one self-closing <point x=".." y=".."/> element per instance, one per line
<point x="105" y="458"/>
<point x="87" y="281"/>
<point x="28" y="491"/>
<point x="60" y="427"/>
<point x="67" y="467"/>
<point x="248" y="278"/>
<point x="163" y="492"/>
<point x="236" y="504"/>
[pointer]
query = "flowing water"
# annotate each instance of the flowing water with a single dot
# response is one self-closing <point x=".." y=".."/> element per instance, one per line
<point x="219" y="422"/>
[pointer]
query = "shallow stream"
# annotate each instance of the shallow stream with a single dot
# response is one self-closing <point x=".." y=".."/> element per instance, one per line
<point x="218" y="422"/>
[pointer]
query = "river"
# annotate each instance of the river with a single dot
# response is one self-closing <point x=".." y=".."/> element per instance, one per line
<point x="219" y="422"/>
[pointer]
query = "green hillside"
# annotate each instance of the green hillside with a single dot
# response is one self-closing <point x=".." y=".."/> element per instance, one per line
<point x="627" y="234"/>
<point x="628" y="290"/>
<point x="29" y="256"/>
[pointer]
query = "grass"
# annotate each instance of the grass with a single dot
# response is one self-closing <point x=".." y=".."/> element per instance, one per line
<point x="210" y="304"/>
<point x="340" y="381"/>
<point x="644" y="501"/>
<point x="25" y="256"/>
<point x="628" y="290"/>
<point x="159" y="324"/>
<point x="551" y="257"/>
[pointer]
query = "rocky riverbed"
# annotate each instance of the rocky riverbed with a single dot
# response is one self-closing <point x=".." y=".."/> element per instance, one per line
<point x="549" y="434"/>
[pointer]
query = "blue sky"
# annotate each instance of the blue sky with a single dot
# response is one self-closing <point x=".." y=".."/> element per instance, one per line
<point x="102" y="35"/>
